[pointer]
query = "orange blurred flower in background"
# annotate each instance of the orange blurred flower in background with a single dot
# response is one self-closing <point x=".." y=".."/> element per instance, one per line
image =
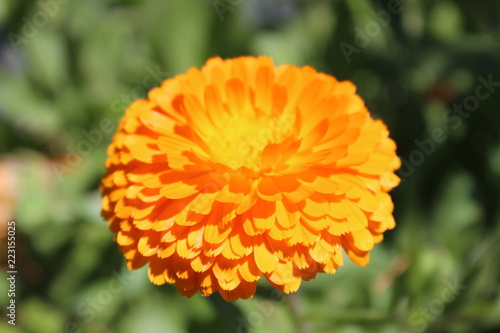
<point x="242" y="170"/>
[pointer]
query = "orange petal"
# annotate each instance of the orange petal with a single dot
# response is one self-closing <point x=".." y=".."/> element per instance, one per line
<point x="264" y="257"/>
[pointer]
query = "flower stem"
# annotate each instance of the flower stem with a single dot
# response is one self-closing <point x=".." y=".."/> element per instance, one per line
<point x="297" y="309"/>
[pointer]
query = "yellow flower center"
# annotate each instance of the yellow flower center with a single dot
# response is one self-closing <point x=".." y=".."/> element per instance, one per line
<point x="240" y="142"/>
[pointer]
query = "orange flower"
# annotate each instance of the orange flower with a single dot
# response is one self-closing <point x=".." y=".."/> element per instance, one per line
<point x="242" y="170"/>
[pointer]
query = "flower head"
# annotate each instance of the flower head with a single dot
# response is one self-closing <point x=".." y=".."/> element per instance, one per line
<point x="242" y="170"/>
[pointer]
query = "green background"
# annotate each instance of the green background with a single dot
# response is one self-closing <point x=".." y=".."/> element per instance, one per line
<point x="68" y="68"/>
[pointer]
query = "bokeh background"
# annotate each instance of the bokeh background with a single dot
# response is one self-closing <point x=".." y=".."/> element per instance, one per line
<point x="429" y="69"/>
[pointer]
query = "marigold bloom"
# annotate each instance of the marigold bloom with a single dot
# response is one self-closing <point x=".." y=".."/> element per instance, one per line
<point x="242" y="170"/>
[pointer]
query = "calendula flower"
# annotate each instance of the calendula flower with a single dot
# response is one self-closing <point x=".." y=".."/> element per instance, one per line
<point x="242" y="170"/>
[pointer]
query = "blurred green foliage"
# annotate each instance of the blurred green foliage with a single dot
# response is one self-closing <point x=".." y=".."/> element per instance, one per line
<point x="69" y="68"/>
